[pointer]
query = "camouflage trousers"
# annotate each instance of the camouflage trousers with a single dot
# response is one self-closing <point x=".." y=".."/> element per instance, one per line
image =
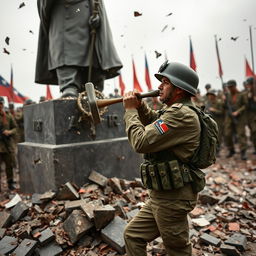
<point x="251" y="122"/>
<point x="7" y="158"/>
<point x="160" y="217"/>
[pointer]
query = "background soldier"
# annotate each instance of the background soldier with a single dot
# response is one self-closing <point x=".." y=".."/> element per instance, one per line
<point x="7" y="143"/>
<point x="235" y="120"/>
<point x="215" y="107"/>
<point x="251" y="109"/>
<point x="65" y="45"/>
<point x="168" y="139"/>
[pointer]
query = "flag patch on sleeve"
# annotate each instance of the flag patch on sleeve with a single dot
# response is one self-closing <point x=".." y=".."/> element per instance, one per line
<point x="161" y="126"/>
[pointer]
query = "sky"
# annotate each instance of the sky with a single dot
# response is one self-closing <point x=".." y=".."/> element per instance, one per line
<point x="136" y="36"/>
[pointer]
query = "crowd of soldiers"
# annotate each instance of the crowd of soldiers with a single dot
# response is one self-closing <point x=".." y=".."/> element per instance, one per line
<point x="233" y="110"/>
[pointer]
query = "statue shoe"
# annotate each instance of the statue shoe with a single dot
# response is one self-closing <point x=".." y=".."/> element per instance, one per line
<point x="69" y="92"/>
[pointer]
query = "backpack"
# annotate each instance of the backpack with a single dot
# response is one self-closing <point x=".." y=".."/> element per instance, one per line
<point x="205" y="154"/>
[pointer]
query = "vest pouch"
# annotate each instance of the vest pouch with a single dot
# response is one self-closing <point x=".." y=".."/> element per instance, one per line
<point x="176" y="174"/>
<point x="198" y="182"/>
<point x="187" y="178"/>
<point x="154" y="177"/>
<point x="163" y="171"/>
<point x="145" y="177"/>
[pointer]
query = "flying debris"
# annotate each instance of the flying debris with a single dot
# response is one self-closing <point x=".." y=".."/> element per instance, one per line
<point x="24" y="49"/>
<point x="234" y="38"/>
<point x="21" y="5"/>
<point x="244" y="19"/>
<point x="164" y="28"/>
<point x="5" y="51"/>
<point x="158" y="54"/>
<point x="7" y="40"/>
<point x="219" y="39"/>
<point x="169" y="14"/>
<point x="122" y="35"/>
<point x="30" y="31"/>
<point x="136" y="14"/>
<point x="173" y="28"/>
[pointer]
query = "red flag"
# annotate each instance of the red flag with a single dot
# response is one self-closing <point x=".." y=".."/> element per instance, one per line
<point x="4" y="88"/>
<point x="18" y="97"/>
<point x="147" y="77"/>
<point x="136" y="84"/>
<point x="218" y="57"/>
<point x="121" y="84"/>
<point x="192" y="57"/>
<point x="48" y="92"/>
<point x="248" y="70"/>
<point x="11" y="99"/>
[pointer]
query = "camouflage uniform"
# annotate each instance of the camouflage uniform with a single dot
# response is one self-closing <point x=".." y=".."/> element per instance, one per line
<point x="237" y="104"/>
<point x="165" y="213"/>
<point x="7" y="145"/>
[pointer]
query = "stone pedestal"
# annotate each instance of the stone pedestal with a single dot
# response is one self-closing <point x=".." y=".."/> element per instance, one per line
<point x="59" y="147"/>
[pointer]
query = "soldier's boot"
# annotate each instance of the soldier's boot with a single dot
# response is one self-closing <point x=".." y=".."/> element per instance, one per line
<point x="70" y="92"/>
<point x="243" y="155"/>
<point x="11" y="184"/>
<point x="231" y="153"/>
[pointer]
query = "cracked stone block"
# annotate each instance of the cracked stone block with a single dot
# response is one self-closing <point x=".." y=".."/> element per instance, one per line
<point x="2" y="232"/>
<point x="98" y="178"/>
<point x="238" y="240"/>
<point x="114" y="183"/>
<point x="88" y="208"/>
<point x="103" y="215"/>
<point x="113" y="234"/>
<point x="46" y="236"/>
<point x="229" y="250"/>
<point x="36" y="199"/>
<point x="5" y="219"/>
<point x="13" y="201"/>
<point x="210" y="240"/>
<point x="19" y="211"/>
<point x="25" y="248"/>
<point x="52" y="249"/>
<point x="73" y="205"/>
<point x="76" y="225"/>
<point x="8" y="244"/>
<point x="67" y="192"/>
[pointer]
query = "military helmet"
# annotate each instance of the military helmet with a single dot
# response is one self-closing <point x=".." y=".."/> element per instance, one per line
<point x="207" y="86"/>
<point x="179" y="75"/>
<point x="249" y="80"/>
<point x="28" y="102"/>
<point x="231" y="82"/>
<point x="1" y="100"/>
<point x="211" y="92"/>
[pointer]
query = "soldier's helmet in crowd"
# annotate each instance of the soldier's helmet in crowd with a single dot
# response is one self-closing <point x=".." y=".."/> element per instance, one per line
<point x="1" y="100"/>
<point x="211" y="92"/>
<point x="249" y="80"/>
<point x="208" y="86"/>
<point x="28" y="102"/>
<point x="231" y="82"/>
<point x="179" y="75"/>
<point x="42" y="99"/>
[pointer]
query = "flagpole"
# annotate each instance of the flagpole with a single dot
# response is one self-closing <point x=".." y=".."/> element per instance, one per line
<point x="250" y="31"/>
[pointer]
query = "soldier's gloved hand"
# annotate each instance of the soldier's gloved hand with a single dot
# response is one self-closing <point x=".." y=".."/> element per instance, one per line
<point x="94" y="21"/>
<point x="130" y="100"/>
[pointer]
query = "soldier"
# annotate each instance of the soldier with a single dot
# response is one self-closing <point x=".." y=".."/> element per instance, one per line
<point x="235" y="120"/>
<point x="168" y="139"/>
<point x="215" y="107"/>
<point x="65" y="45"/>
<point x="250" y="84"/>
<point x="198" y="99"/>
<point x="7" y="144"/>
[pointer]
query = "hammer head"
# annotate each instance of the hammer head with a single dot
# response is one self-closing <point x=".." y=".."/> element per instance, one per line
<point x="92" y="103"/>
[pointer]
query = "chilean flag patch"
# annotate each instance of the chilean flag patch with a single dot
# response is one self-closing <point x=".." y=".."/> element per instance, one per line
<point x="161" y="126"/>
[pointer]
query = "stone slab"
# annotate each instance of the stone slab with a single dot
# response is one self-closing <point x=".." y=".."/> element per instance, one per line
<point x="103" y="215"/>
<point x="76" y="225"/>
<point x="5" y="219"/>
<point x="210" y="240"/>
<point x="25" y="248"/>
<point x="52" y="249"/>
<point x="8" y="244"/>
<point x="98" y="178"/>
<point x="46" y="236"/>
<point x="19" y="211"/>
<point x="112" y="234"/>
<point x="46" y="167"/>
<point x="57" y="122"/>
<point x="67" y="192"/>
<point x="229" y="250"/>
<point x="238" y="240"/>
